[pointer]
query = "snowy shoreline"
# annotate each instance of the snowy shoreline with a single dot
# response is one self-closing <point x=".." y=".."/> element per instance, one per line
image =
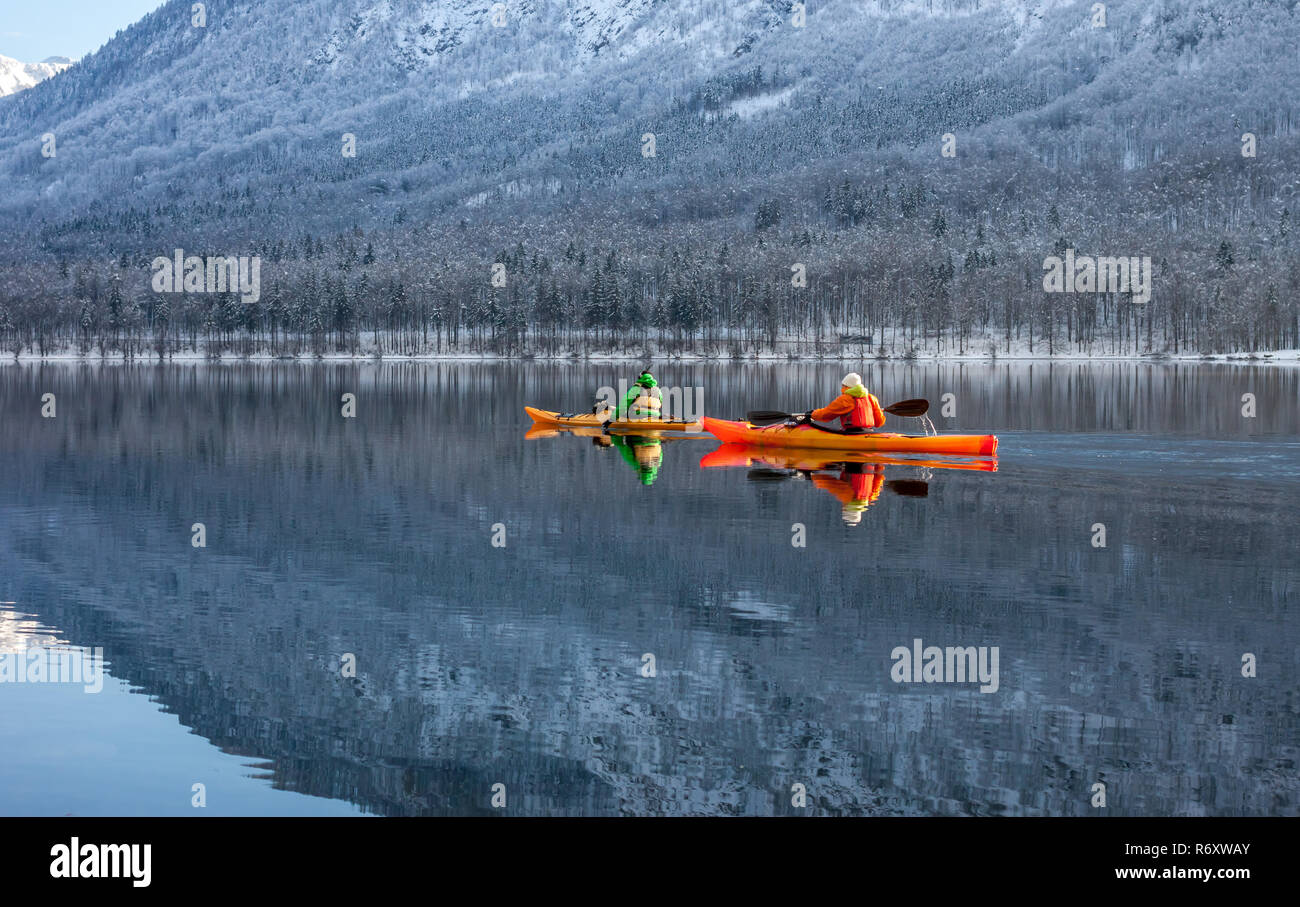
<point x="1277" y="357"/>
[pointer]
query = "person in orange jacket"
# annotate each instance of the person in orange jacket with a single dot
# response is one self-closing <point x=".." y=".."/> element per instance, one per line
<point x="855" y="408"/>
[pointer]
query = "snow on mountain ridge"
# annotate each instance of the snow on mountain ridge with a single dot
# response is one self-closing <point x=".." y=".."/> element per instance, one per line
<point x="16" y="76"/>
<point x="417" y="34"/>
<point x="422" y="35"/>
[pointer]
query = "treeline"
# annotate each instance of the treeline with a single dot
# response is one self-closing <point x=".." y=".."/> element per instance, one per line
<point x="913" y="283"/>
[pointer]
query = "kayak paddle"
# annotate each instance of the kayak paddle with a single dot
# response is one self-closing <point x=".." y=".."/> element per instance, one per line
<point x="766" y="474"/>
<point x="911" y="408"/>
<point x="909" y="488"/>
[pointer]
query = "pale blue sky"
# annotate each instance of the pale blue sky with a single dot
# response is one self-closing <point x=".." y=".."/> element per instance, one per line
<point x="31" y="30"/>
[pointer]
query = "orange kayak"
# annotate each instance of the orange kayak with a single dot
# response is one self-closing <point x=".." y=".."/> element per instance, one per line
<point x="733" y="454"/>
<point x="809" y="437"/>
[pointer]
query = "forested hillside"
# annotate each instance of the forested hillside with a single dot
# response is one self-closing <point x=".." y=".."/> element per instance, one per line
<point x="659" y="175"/>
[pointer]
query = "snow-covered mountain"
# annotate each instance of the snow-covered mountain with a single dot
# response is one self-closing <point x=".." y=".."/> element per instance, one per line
<point x="477" y="114"/>
<point x="16" y="75"/>
<point x="940" y="148"/>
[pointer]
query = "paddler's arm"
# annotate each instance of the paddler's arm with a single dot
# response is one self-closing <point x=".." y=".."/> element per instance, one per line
<point x="628" y="399"/>
<point x="840" y="489"/>
<point x="840" y="406"/>
<point x="876" y="411"/>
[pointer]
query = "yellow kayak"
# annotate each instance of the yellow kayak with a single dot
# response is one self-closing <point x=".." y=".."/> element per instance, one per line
<point x="542" y="417"/>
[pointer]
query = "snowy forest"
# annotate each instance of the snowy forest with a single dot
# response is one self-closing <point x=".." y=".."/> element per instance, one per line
<point x="643" y="178"/>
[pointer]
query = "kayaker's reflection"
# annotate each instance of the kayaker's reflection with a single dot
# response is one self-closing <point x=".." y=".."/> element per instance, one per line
<point x="857" y="487"/>
<point x="644" y="455"/>
<point x="854" y="479"/>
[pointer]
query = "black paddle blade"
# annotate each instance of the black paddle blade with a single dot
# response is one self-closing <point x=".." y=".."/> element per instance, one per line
<point x="912" y="408"/>
<point x="766" y="474"/>
<point x="909" y="488"/>
<point x="765" y="416"/>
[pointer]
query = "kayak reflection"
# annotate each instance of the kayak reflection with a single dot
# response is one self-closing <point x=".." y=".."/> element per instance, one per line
<point x="642" y="453"/>
<point x="853" y="478"/>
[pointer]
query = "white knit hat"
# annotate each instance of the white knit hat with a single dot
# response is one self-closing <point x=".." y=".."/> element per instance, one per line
<point x="852" y="379"/>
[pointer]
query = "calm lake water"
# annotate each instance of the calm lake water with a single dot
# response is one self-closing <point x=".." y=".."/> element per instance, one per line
<point x="523" y="665"/>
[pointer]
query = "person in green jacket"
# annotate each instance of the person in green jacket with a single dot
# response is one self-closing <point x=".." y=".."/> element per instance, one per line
<point x="644" y="399"/>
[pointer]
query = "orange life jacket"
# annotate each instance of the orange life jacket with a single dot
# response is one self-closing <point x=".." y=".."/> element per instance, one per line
<point x="860" y="416"/>
<point x="866" y="413"/>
